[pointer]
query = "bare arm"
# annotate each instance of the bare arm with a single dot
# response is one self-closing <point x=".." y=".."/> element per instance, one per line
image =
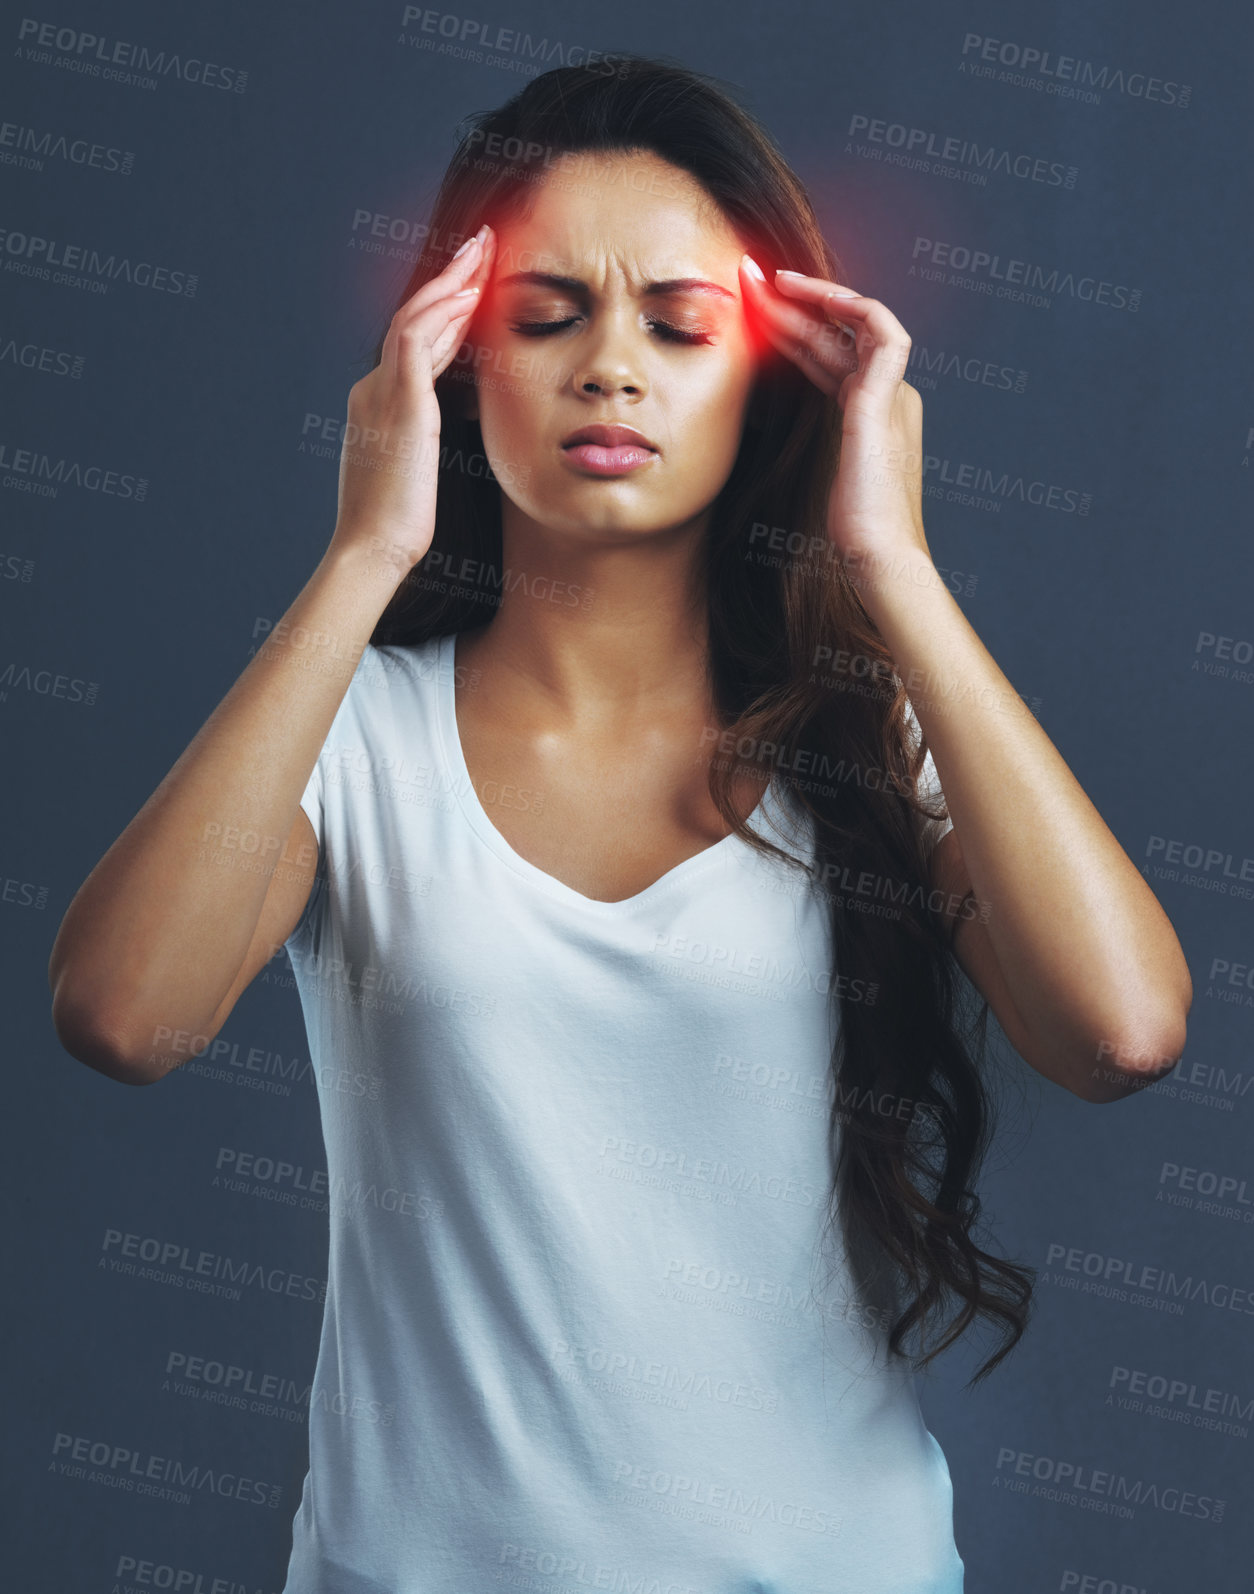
<point x="211" y="876"/>
<point x="1077" y="959"/>
<point x="1094" y="1077"/>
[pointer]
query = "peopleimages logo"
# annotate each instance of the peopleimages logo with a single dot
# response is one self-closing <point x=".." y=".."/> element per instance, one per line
<point x="450" y="34"/>
<point x="28" y="470"/>
<point x="29" y="148"/>
<point x="84" y="267"/>
<point x="1016" y="279"/>
<point x="115" y="61"/>
<point x="163" y="1261"/>
<point x="136" y="1470"/>
<point x="1000" y="485"/>
<point x="45" y="684"/>
<point x="618" y="1369"/>
<point x="1070" y="77"/>
<point x="926" y="364"/>
<point x="1141" y="1283"/>
<point x="41" y="357"/>
<point x="1200" y="1404"/>
<point x="1100" y="1489"/>
<point x="691" y="1492"/>
<point x="925" y="145"/>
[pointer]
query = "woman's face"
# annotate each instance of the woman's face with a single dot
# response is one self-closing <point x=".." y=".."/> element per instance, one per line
<point x="677" y="363"/>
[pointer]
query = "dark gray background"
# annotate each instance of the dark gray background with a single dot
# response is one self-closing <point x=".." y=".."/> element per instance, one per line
<point x="1100" y="620"/>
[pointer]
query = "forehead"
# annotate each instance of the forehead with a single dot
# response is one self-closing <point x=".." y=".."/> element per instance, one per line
<point x="625" y="211"/>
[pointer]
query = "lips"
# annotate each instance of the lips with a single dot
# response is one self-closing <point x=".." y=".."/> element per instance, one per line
<point x="609" y="437"/>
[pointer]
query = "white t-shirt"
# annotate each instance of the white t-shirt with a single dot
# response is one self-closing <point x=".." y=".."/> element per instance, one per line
<point x="578" y="1333"/>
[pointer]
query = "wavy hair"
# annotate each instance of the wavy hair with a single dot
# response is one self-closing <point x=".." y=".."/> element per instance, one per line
<point x="799" y="668"/>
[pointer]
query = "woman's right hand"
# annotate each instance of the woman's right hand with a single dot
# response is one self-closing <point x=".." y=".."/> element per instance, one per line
<point x="389" y="462"/>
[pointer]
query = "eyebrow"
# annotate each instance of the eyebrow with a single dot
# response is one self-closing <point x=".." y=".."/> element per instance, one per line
<point x="548" y="279"/>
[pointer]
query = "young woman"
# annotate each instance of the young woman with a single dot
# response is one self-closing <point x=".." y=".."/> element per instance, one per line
<point x="627" y="918"/>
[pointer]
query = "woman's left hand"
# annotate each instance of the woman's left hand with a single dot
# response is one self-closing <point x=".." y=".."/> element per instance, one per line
<point x="856" y="350"/>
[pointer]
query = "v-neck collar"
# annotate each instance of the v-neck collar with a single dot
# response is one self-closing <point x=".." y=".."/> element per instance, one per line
<point x="472" y="808"/>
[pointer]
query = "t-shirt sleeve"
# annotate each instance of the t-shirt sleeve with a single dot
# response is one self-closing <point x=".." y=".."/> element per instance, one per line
<point x="929" y="787"/>
<point x="313" y="798"/>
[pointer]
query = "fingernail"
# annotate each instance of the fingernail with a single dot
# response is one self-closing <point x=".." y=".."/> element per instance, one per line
<point x="753" y="268"/>
<point x="467" y="245"/>
<point x="783" y="273"/>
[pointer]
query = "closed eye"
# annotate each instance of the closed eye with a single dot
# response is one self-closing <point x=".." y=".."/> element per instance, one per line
<point x="539" y="329"/>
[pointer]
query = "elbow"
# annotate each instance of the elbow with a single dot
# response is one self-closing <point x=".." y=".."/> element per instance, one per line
<point x="1121" y="1064"/>
<point x="91" y="1039"/>
<point x="99" y="1053"/>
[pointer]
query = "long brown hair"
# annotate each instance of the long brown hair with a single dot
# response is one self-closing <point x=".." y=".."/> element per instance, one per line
<point x="903" y="1173"/>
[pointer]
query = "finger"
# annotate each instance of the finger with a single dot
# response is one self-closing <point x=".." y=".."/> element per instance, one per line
<point x="782" y="311"/>
<point x="471" y="269"/>
<point x="802" y="334"/>
<point x="446" y="343"/>
<point x="841" y="350"/>
<point x="461" y="272"/>
<point x="425" y="328"/>
<point x="821" y="370"/>
<point x="882" y="342"/>
<point x="441" y="297"/>
<point x="820" y="300"/>
<point x="816" y="287"/>
<point x="833" y="302"/>
<point x="441" y="323"/>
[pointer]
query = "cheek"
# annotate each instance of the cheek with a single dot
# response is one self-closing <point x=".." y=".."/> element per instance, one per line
<point x="515" y="391"/>
<point x="716" y="400"/>
<point x="514" y="426"/>
<point x="509" y="412"/>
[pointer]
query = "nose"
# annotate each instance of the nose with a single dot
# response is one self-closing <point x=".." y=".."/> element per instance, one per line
<point x="603" y="379"/>
<point x="610" y="365"/>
